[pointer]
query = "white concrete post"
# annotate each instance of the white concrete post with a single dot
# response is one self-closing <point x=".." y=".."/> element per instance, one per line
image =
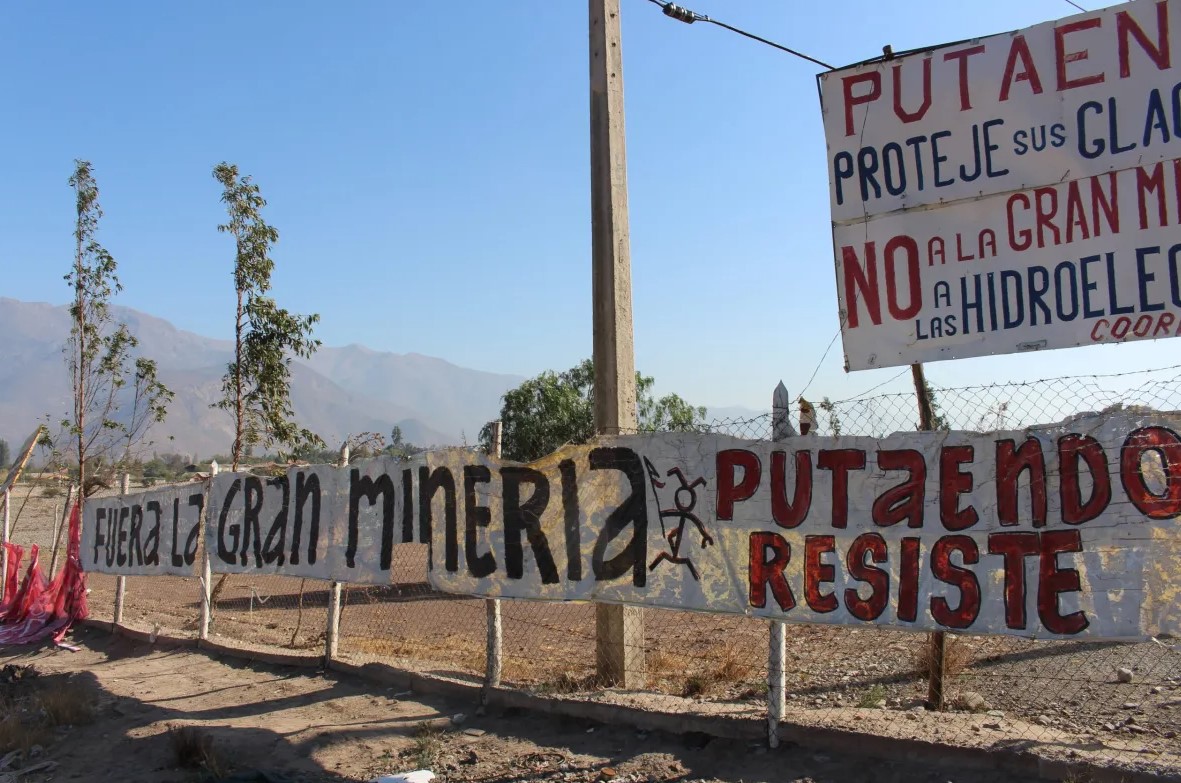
<point x="121" y="581"/>
<point x="781" y="429"/>
<point x="206" y="572"/>
<point x="332" y="627"/>
<point x="619" y="630"/>
<point x="494" y="647"/>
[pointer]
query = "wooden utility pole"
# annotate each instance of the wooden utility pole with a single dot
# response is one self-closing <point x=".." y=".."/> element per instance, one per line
<point x="619" y="652"/>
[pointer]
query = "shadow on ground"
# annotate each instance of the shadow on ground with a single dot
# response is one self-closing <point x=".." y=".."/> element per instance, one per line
<point x="298" y="726"/>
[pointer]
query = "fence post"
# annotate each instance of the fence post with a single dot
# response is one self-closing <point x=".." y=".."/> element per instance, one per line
<point x="206" y="573"/>
<point x="937" y="641"/>
<point x="120" y="581"/>
<point x="4" y="546"/>
<point x="781" y="429"/>
<point x="57" y="531"/>
<point x="332" y="628"/>
<point x="494" y="645"/>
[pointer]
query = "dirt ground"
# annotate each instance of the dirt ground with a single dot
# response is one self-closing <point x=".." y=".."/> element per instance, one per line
<point x="299" y="727"/>
<point x="1067" y="697"/>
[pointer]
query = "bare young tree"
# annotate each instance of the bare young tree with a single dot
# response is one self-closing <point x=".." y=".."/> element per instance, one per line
<point x="256" y="388"/>
<point x="117" y="394"/>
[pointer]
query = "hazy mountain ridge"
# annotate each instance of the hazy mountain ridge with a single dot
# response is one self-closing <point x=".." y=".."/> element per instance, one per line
<point x="341" y="391"/>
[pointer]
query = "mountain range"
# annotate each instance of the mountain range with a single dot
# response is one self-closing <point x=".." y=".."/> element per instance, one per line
<point x="338" y="392"/>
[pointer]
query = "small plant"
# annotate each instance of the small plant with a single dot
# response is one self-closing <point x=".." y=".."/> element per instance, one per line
<point x="957" y="656"/>
<point x="66" y="703"/>
<point x="33" y="705"/>
<point x="428" y="743"/>
<point x="755" y="690"/>
<point x="569" y="683"/>
<point x="874" y="697"/>
<point x="18" y="733"/>
<point x="193" y="748"/>
<point x="730" y="666"/>
<point x="696" y="685"/>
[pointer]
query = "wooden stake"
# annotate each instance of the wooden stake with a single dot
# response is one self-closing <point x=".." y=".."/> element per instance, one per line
<point x="937" y="641"/>
<point x="62" y="524"/>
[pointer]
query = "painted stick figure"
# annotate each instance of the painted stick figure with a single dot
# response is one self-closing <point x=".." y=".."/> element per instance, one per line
<point x="684" y="500"/>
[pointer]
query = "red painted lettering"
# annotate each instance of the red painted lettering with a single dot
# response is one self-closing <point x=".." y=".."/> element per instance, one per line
<point x="791" y="514"/>
<point x="954" y="482"/>
<point x="1019" y="50"/>
<point x="1014" y="548"/>
<point x="1149" y="182"/>
<point x="903" y="114"/>
<point x="908" y="580"/>
<point x="1062" y="57"/>
<point x="962" y="55"/>
<point x="1072" y="448"/>
<point x="915" y="294"/>
<point x="817" y="573"/>
<point x="904" y="501"/>
<point x="964" y="579"/>
<point x="764" y="572"/>
<point x="1167" y="446"/>
<point x="1018" y="239"/>
<point x="870" y="608"/>
<point x="874" y="79"/>
<point x="1010" y="463"/>
<point x="840" y="462"/>
<point x="730" y="492"/>
<point x="1054" y="580"/>
<point x="861" y="283"/>
<point x="1127" y="28"/>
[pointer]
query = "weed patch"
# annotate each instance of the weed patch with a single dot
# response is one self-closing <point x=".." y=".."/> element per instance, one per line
<point x="193" y="748"/>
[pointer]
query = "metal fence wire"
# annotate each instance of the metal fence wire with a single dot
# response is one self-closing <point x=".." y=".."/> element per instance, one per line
<point x="1116" y="704"/>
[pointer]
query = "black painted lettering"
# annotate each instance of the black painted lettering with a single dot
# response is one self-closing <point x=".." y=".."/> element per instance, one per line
<point x="475" y="517"/>
<point x="633" y="513"/>
<point x="571" y="520"/>
<point x="526" y="518"/>
<point x="370" y="490"/>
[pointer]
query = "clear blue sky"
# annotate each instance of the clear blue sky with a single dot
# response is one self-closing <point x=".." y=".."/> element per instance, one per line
<point x="427" y="166"/>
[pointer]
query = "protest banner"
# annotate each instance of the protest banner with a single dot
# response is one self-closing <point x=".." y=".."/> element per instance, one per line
<point x="1058" y="531"/>
<point x="1011" y="193"/>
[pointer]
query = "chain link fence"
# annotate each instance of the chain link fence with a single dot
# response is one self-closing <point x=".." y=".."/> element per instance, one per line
<point x="1107" y="703"/>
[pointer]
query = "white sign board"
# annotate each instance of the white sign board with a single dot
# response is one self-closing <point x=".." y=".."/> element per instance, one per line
<point x="1062" y="531"/>
<point x="1011" y="193"/>
<point x="157" y="532"/>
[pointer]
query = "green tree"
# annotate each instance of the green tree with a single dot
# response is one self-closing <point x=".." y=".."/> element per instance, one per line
<point x="256" y="389"/>
<point x="553" y="409"/>
<point x="834" y="419"/>
<point x="938" y="420"/>
<point x="399" y="447"/>
<point x="5" y="454"/>
<point x="117" y="395"/>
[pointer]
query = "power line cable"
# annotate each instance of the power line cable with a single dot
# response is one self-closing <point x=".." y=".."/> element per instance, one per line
<point x="819" y="364"/>
<point x="682" y="14"/>
<point x="1076" y="5"/>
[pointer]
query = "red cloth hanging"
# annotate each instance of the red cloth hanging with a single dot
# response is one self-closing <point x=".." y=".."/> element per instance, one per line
<point x="37" y="607"/>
